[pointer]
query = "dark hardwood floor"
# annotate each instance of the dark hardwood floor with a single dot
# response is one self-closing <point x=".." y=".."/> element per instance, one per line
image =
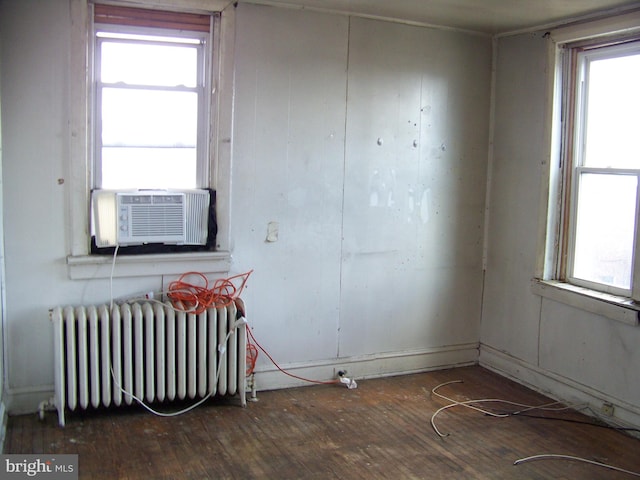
<point x="380" y="430"/>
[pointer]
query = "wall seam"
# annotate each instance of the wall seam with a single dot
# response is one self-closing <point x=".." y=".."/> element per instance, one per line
<point x="344" y="176"/>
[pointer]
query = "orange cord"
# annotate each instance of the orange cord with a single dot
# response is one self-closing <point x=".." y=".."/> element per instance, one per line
<point x="197" y="298"/>
<point x="252" y="357"/>
<point x="327" y="382"/>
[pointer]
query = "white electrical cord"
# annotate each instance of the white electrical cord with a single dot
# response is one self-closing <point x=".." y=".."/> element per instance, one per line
<point x="221" y="348"/>
<point x="470" y="404"/>
<point x="113" y="268"/>
<point x="550" y="456"/>
<point x="146" y="298"/>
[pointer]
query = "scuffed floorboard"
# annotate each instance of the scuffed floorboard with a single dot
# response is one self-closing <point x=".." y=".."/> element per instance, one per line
<point x="380" y="430"/>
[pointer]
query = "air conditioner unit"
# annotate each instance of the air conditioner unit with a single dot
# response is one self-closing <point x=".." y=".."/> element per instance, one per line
<point x="138" y="217"/>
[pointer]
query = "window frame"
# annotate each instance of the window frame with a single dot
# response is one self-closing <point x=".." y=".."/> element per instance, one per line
<point x="81" y="264"/>
<point x="153" y="23"/>
<point x="576" y="59"/>
<point x="549" y="279"/>
<point x="203" y="90"/>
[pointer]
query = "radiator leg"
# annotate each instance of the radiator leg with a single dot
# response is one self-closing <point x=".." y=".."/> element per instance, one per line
<point x="41" y="408"/>
<point x="254" y="390"/>
<point x="50" y="405"/>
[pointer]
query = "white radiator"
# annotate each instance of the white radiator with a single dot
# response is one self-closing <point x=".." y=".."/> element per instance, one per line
<point x="148" y="350"/>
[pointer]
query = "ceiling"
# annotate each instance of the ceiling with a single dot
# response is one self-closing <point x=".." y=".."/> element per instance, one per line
<point x="485" y="16"/>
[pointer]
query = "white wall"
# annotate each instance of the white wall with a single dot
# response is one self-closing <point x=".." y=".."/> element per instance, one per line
<point x="36" y="101"/>
<point x="377" y="265"/>
<point x="510" y="320"/>
<point x="569" y="353"/>
<point x="366" y="142"/>
<point x="3" y="411"/>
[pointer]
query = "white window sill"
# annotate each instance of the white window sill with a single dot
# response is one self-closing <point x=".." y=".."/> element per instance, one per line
<point x="614" y="307"/>
<point x="84" y="267"/>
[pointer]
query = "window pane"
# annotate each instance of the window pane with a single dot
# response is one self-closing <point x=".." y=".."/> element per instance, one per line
<point x="604" y="229"/>
<point x="133" y="117"/>
<point x="612" y="117"/>
<point x="144" y="64"/>
<point x="148" y="168"/>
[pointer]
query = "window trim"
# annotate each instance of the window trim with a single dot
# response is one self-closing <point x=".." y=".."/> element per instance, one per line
<point x="220" y="140"/>
<point x="579" y="59"/>
<point x="610" y="306"/>
<point x="88" y="267"/>
<point x="548" y="281"/>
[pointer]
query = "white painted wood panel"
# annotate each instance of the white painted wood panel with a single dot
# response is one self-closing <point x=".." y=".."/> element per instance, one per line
<point x="414" y="187"/>
<point x="590" y="350"/>
<point x="510" y="312"/>
<point x="288" y="174"/>
<point x="330" y="261"/>
<point x="553" y="346"/>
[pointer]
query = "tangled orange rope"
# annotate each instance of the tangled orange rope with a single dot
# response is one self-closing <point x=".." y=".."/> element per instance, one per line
<point x="252" y="356"/>
<point x="197" y="298"/>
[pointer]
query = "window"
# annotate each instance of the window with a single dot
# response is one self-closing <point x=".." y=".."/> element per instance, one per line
<point x="151" y="108"/>
<point x="601" y="158"/>
<point x="150" y="117"/>
<point x="215" y="173"/>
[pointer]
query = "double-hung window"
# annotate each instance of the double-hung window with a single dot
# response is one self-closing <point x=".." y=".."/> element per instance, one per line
<point x="151" y="112"/>
<point x="150" y="125"/>
<point x="600" y="241"/>
<point x="151" y="70"/>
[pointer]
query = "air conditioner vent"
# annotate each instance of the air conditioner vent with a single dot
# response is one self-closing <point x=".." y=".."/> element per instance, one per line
<point x="138" y="217"/>
<point x="151" y="217"/>
<point x="147" y="220"/>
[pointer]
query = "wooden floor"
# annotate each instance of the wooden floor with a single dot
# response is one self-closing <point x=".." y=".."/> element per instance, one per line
<point x="380" y="430"/>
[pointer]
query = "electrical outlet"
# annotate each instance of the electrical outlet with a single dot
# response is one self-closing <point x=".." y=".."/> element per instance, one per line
<point x="607" y="409"/>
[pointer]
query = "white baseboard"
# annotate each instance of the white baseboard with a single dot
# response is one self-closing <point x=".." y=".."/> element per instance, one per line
<point x="24" y="400"/>
<point x="29" y="400"/>
<point x="369" y="366"/>
<point x="557" y="387"/>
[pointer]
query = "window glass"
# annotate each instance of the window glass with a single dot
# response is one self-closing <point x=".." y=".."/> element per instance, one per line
<point x="605" y="225"/>
<point x="146" y="168"/>
<point x="138" y="117"/>
<point x="147" y="64"/>
<point x="613" y="103"/>
<point x="150" y="110"/>
<point x="149" y="139"/>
